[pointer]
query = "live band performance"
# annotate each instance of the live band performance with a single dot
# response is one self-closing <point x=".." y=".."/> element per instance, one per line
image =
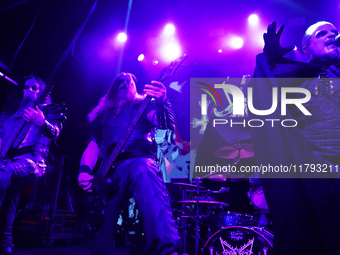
<point x="169" y="127"/>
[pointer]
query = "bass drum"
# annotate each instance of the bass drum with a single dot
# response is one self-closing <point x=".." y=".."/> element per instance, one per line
<point x="237" y="240"/>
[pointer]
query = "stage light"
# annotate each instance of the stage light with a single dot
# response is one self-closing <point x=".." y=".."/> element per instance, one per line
<point x="121" y="37"/>
<point x="170" y="51"/>
<point x="253" y="19"/>
<point x="141" y="57"/>
<point x="169" y="29"/>
<point x="219" y="51"/>
<point x="235" y="42"/>
<point x="295" y="48"/>
<point x="155" y="62"/>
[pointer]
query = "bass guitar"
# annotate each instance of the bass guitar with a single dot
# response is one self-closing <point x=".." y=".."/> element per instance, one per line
<point x="104" y="178"/>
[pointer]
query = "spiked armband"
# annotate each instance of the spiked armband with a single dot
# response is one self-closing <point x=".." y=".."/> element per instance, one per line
<point x="165" y="115"/>
<point x="49" y="130"/>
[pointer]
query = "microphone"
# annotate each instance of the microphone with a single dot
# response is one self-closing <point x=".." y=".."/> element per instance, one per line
<point x="337" y="40"/>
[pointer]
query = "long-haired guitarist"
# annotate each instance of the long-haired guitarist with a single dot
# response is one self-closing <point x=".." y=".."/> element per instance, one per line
<point x="135" y="172"/>
<point x="24" y="155"/>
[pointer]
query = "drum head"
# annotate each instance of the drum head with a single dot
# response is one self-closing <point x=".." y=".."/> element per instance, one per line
<point x="240" y="240"/>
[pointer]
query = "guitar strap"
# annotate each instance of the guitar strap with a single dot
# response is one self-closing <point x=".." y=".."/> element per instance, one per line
<point x="113" y="129"/>
<point x="123" y="120"/>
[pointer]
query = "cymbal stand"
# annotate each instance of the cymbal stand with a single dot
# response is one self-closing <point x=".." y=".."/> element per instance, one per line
<point x="238" y="158"/>
<point x="183" y="226"/>
<point x="197" y="227"/>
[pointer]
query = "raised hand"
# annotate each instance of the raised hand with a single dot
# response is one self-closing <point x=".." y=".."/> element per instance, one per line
<point x="272" y="47"/>
<point x="156" y="90"/>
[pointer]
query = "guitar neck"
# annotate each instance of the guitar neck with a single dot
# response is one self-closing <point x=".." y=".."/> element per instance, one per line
<point x="120" y="144"/>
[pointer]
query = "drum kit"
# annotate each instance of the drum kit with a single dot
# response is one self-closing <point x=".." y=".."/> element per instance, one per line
<point x="228" y="232"/>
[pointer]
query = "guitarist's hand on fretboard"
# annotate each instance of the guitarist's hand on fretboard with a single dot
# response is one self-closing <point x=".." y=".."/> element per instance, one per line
<point x="157" y="90"/>
<point x="34" y="116"/>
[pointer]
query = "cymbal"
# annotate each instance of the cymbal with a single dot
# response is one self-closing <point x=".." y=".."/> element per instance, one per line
<point x="218" y="177"/>
<point x="222" y="177"/>
<point x="240" y="150"/>
<point x="205" y="202"/>
<point x="178" y="186"/>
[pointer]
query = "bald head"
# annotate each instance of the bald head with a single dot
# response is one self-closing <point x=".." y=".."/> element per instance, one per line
<point x="318" y="43"/>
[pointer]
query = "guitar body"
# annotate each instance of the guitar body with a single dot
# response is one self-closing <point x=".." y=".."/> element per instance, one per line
<point x="95" y="201"/>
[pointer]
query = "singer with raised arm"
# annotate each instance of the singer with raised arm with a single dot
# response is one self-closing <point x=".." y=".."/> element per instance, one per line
<point x="304" y="211"/>
<point x="24" y="154"/>
<point x="136" y="173"/>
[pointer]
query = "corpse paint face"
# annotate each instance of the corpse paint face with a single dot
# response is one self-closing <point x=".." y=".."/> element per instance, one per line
<point x="320" y="46"/>
<point x="125" y="86"/>
<point x="31" y="89"/>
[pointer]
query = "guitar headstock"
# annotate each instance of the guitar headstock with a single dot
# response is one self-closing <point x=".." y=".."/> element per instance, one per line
<point x="170" y="70"/>
<point x="41" y="97"/>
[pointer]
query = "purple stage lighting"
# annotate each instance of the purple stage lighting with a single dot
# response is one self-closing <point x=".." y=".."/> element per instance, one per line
<point x="253" y="19"/>
<point x="121" y="37"/>
<point x="141" y="57"/>
<point x="169" y="30"/>
<point x="235" y="42"/>
<point x="170" y="51"/>
<point x="220" y="51"/>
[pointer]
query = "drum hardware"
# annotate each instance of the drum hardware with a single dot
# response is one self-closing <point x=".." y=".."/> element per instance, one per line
<point x="182" y="227"/>
<point x="204" y="202"/>
<point x="222" y="219"/>
<point x="186" y="187"/>
<point x="262" y="218"/>
<point x="206" y="194"/>
<point x="183" y="187"/>
<point x="178" y="186"/>
<point x="256" y="195"/>
<point x="201" y="200"/>
<point x="237" y="233"/>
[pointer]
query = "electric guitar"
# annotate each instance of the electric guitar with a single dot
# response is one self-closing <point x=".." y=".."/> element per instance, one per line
<point x="104" y="178"/>
<point x="23" y="126"/>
